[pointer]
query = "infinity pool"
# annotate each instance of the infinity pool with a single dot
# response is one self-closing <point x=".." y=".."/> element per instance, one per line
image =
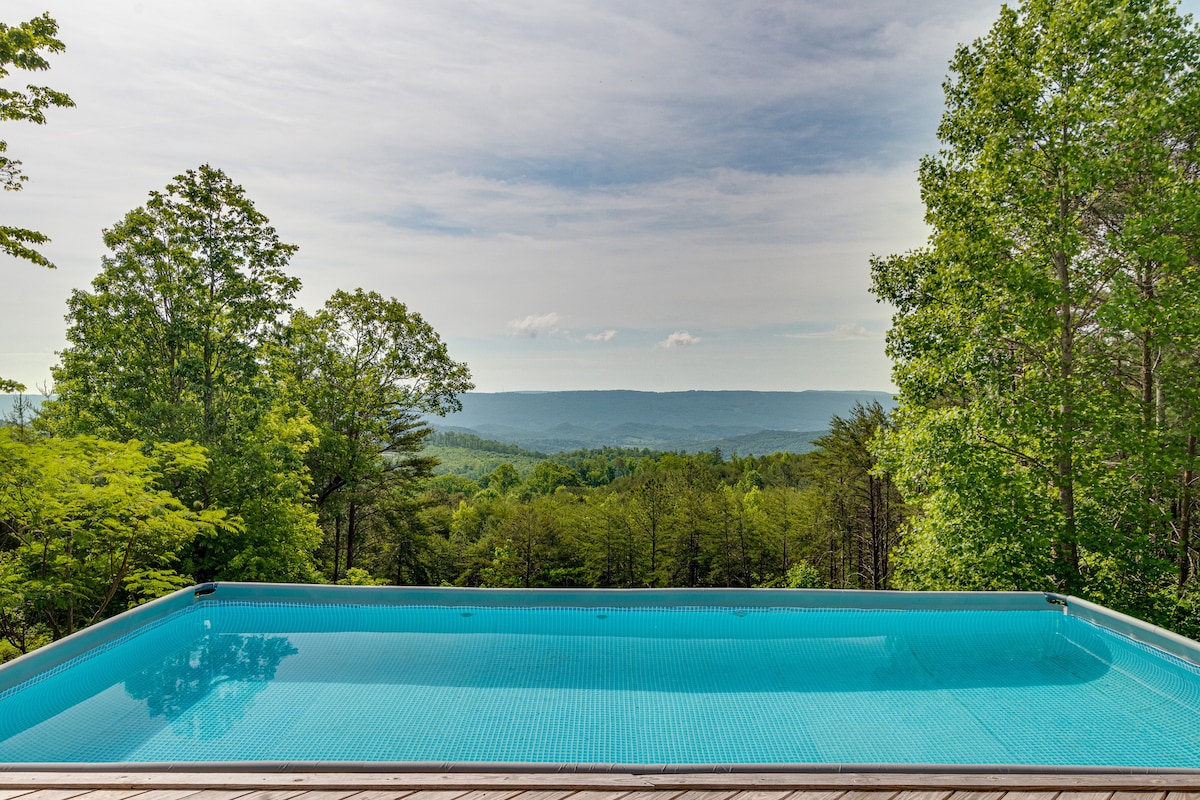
<point x="299" y="674"/>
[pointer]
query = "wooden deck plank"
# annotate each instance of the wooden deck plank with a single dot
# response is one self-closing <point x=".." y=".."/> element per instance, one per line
<point x="323" y="794"/>
<point x="1085" y="795"/>
<point x="9" y="794"/>
<point x="706" y="794"/>
<point x="649" y="794"/>
<point x="1026" y="795"/>
<point x="870" y="794"/>
<point x="763" y="794"/>
<point x="976" y="795"/>
<point x="1183" y="795"/>
<point x="161" y="794"/>
<point x="928" y="794"/>
<point x="598" y="795"/>
<point x="262" y="794"/>
<point x="490" y="794"/>
<point x="437" y="794"/>
<point x="819" y="794"/>
<point x="381" y="794"/>
<point x="55" y="794"/>
<point x="1119" y="795"/>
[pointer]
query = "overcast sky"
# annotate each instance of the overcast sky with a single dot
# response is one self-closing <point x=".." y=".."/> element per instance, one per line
<point x="658" y="195"/>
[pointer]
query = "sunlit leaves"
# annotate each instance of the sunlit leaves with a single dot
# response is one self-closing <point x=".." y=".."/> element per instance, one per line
<point x="85" y="529"/>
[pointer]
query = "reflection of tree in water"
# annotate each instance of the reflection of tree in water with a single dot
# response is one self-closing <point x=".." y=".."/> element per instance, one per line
<point x="233" y="667"/>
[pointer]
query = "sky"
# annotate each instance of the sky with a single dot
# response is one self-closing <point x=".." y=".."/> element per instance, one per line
<point x="663" y="196"/>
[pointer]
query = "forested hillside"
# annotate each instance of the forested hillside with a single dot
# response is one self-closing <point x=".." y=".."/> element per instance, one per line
<point x="629" y="518"/>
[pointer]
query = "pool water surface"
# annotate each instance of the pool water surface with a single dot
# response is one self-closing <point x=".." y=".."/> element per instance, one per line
<point x="238" y="681"/>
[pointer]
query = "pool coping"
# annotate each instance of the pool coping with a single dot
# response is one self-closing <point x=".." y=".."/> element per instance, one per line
<point x="410" y="781"/>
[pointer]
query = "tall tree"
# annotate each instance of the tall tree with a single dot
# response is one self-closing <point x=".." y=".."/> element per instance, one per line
<point x="168" y="343"/>
<point x="366" y="368"/>
<point x="169" y="347"/>
<point x="865" y="510"/>
<point x="1031" y="336"/>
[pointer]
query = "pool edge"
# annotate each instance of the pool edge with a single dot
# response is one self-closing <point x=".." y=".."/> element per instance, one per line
<point x="1139" y="630"/>
<point x="40" y="661"/>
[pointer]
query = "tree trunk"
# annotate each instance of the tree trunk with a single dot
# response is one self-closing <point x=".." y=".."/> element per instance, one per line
<point x="337" y="545"/>
<point x="351" y="530"/>
<point x="1185" y="517"/>
<point x="1067" y="546"/>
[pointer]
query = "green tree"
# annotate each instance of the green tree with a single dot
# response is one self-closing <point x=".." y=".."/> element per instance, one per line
<point x="864" y="509"/>
<point x="1040" y="339"/>
<point x="169" y="346"/>
<point x="22" y="47"/>
<point x="548" y="476"/>
<point x="502" y="479"/>
<point x="366" y="368"/>
<point x="85" y="531"/>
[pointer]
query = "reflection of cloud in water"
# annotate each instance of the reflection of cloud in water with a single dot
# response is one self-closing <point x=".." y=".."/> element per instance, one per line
<point x="231" y="669"/>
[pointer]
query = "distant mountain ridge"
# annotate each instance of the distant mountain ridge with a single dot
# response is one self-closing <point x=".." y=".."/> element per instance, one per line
<point x="749" y="423"/>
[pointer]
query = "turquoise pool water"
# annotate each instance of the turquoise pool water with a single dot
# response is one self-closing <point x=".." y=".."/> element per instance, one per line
<point x="251" y="681"/>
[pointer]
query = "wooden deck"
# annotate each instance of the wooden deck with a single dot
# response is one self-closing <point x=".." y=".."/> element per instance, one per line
<point x="582" y="786"/>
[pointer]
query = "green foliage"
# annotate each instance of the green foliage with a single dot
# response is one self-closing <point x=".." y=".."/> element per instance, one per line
<point x="364" y="367"/>
<point x="194" y="435"/>
<point x="1045" y="340"/>
<point x="84" y="531"/>
<point x="548" y="476"/>
<point x="22" y="47"/>
<point x="356" y="576"/>
<point x="502" y="479"/>
<point x="169" y="346"/>
<point x="668" y="519"/>
<point x="266" y="480"/>
<point x="473" y="457"/>
<point x="476" y="465"/>
<point x="469" y="441"/>
<point x="804" y="575"/>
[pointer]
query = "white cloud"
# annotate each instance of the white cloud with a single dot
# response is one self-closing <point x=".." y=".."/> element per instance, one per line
<point x="679" y="339"/>
<point x="532" y="325"/>
<point x="602" y="336"/>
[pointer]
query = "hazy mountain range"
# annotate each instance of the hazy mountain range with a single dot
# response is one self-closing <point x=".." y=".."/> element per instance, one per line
<point x="748" y="423"/>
